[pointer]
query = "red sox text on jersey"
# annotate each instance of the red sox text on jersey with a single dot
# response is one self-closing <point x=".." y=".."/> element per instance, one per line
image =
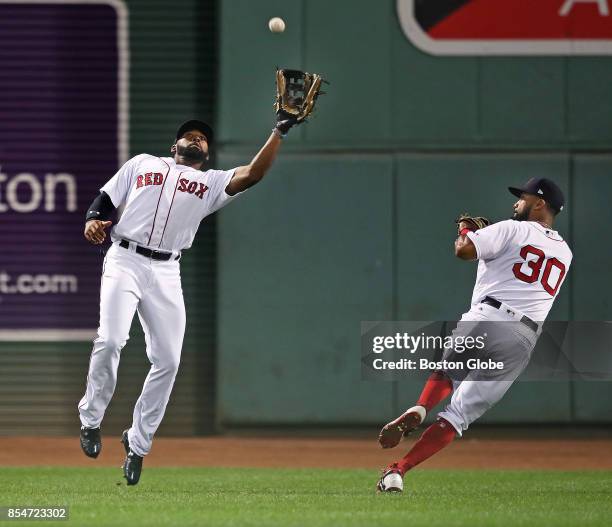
<point x="185" y="185"/>
<point x="164" y="202"/>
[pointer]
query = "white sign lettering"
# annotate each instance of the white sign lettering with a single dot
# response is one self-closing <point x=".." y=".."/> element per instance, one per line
<point x="49" y="189"/>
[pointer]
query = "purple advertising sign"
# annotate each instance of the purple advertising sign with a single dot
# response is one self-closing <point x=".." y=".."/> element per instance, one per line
<point x="63" y="133"/>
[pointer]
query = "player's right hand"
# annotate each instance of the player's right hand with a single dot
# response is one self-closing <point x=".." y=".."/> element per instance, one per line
<point x="94" y="231"/>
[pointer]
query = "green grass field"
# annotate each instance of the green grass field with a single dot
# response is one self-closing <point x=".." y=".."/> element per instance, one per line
<point x="270" y="497"/>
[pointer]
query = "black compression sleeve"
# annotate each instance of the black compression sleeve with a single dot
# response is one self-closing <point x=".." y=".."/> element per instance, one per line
<point x="101" y="208"/>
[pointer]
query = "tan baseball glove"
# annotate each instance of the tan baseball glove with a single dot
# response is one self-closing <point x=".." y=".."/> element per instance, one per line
<point x="296" y="94"/>
<point x="473" y="223"/>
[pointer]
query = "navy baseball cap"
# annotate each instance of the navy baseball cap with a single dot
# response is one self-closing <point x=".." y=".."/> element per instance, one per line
<point x="194" y="124"/>
<point x="543" y="188"/>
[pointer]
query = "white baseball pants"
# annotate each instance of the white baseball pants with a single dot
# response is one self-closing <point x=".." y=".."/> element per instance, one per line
<point x="508" y="341"/>
<point x="132" y="282"/>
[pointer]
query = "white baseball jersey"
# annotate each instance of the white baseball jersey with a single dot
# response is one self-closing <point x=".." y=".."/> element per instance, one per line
<point x="164" y="202"/>
<point x="164" y="205"/>
<point x="521" y="263"/>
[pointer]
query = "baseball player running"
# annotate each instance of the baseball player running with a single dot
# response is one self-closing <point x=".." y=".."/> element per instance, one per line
<point x="522" y="264"/>
<point x="164" y="200"/>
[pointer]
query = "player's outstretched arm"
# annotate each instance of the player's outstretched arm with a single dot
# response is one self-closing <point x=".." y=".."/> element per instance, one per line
<point x="296" y="94"/>
<point x="251" y="174"/>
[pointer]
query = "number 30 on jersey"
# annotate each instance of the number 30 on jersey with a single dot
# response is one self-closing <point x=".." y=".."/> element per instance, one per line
<point x="529" y="270"/>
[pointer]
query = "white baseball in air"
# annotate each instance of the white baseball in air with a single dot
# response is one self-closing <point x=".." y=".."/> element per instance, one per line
<point x="276" y="25"/>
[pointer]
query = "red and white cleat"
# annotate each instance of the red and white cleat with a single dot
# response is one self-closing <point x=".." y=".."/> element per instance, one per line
<point x="390" y="480"/>
<point x="392" y="433"/>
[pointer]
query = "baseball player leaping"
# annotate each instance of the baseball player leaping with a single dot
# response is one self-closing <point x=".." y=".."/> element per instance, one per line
<point x="164" y="200"/>
<point x="522" y="263"/>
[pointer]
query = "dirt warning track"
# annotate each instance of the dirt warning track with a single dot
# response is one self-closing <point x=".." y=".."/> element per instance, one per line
<point x="295" y="452"/>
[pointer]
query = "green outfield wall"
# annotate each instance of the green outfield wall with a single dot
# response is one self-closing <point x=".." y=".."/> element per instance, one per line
<point x="355" y="221"/>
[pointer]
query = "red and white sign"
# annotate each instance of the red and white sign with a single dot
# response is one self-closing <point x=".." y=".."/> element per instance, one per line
<point x="508" y="27"/>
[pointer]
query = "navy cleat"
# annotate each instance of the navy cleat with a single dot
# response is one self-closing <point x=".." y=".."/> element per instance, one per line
<point x="91" y="441"/>
<point x="132" y="466"/>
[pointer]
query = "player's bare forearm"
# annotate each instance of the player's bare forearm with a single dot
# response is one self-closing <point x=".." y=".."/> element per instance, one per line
<point x="464" y="248"/>
<point x="253" y="173"/>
